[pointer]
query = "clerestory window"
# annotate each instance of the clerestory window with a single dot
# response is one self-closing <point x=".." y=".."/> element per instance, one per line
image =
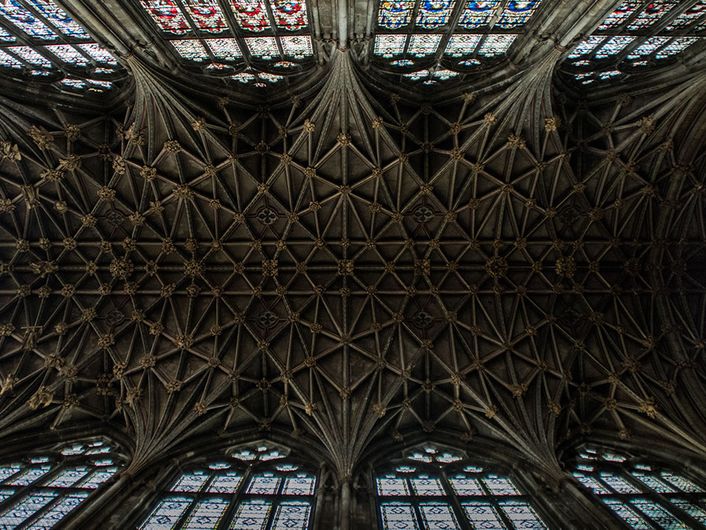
<point x="436" y="488"/>
<point x="252" y="487"/>
<point x="641" y="494"/>
<point x="39" y="491"/>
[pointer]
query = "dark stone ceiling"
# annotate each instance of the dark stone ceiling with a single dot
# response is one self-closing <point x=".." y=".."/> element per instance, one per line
<point x="349" y="267"/>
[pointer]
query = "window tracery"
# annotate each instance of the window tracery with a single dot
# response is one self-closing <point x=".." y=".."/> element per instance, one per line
<point x="238" y="38"/>
<point x="38" y="39"/>
<point x="642" y="494"/>
<point x="41" y="489"/>
<point x="254" y="486"/>
<point x="637" y="34"/>
<point x="437" y="488"/>
<point x="464" y="34"/>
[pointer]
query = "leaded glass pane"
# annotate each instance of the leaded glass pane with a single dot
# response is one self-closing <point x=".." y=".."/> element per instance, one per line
<point x="427" y="486"/>
<point x="25" y="508"/>
<point x="167" y="15"/>
<point x="482" y="514"/>
<point x="103" y="56"/>
<point x="67" y="54"/>
<point x="59" y="510"/>
<point x="592" y="484"/>
<point x="478" y="14"/>
<point x="250" y="14"/>
<point x="517" y="13"/>
<point x="226" y="483"/>
<point x="652" y="482"/>
<point x="98" y="478"/>
<point x="191" y="50"/>
<point x="681" y="483"/>
<point x="7" y="471"/>
<point x="225" y="49"/>
<point x="500" y="485"/>
<point x="299" y="485"/>
<point x="67" y="477"/>
<point x="620" y="15"/>
<point x="58" y="18"/>
<point x="466" y="485"/>
<point x="206" y="514"/>
<point x="652" y="13"/>
<point x="627" y="514"/>
<point x="207" y="15"/>
<point x="655" y="512"/>
<point x="190" y="482"/>
<point x="389" y="45"/>
<point x="677" y="46"/>
<point x="434" y="13"/>
<point x="264" y="484"/>
<point x="398" y="516"/>
<point x="9" y="61"/>
<point x="31" y="56"/>
<point x="618" y="483"/>
<point x="438" y="516"/>
<point x="28" y="476"/>
<point x="263" y="47"/>
<point x="521" y="514"/>
<point x="391" y="486"/>
<point x="496" y="45"/>
<point x="460" y="45"/>
<point x="289" y="15"/>
<point x="167" y="513"/>
<point x="252" y="515"/>
<point x="423" y="44"/>
<point x="292" y="515"/>
<point x="26" y="21"/>
<point x="395" y="14"/>
<point x="695" y="511"/>
<point x="297" y="46"/>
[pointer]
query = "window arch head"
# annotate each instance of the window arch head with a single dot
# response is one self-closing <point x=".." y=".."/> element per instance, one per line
<point x="42" y="489"/>
<point x="439" y="488"/>
<point x="638" y="492"/>
<point x="251" y="486"/>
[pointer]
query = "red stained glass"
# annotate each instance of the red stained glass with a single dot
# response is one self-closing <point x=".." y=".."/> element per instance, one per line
<point x="207" y="15"/>
<point x="289" y="14"/>
<point x="251" y="14"/>
<point x="167" y="15"/>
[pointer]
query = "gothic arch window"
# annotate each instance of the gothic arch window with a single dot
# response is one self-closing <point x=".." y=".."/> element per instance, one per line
<point x="248" y="41"/>
<point x="422" y="38"/>
<point x="38" y="491"/>
<point x="637" y="35"/>
<point x="40" y="41"/>
<point x="254" y="487"/>
<point x="641" y="494"/>
<point x="437" y="488"/>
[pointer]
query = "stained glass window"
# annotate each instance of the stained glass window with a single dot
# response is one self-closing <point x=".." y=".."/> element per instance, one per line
<point x="434" y="487"/>
<point x="642" y="495"/>
<point x="201" y="32"/>
<point x="410" y="31"/>
<point x="621" y="44"/>
<point x="253" y="487"/>
<point x="39" y="491"/>
<point x="67" y="45"/>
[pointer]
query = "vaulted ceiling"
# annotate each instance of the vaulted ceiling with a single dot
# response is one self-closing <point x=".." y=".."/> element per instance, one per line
<point x="357" y="251"/>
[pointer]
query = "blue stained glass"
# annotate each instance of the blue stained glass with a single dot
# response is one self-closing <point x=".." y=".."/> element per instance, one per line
<point x="26" y="21"/>
<point x="7" y="471"/>
<point x="206" y="514"/>
<point x="658" y="514"/>
<point x="517" y="13"/>
<point x="438" y="516"/>
<point x="500" y="485"/>
<point x="28" y="476"/>
<point x="59" y="510"/>
<point x="299" y="485"/>
<point x="25" y="508"/>
<point x="478" y="14"/>
<point x="395" y="14"/>
<point x="167" y="513"/>
<point x="6" y="36"/>
<point x="59" y="18"/>
<point x="521" y="514"/>
<point x="292" y="516"/>
<point x="67" y="477"/>
<point x="67" y="54"/>
<point x="252" y="515"/>
<point x="226" y="483"/>
<point x="434" y="13"/>
<point x="190" y="482"/>
<point x="628" y="515"/>
<point x="392" y="486"/>
<point x="73" y="450"/>
<point x="482" y="515"/>
<point x="264" y="484"/>
<point x="398" y="516"/>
